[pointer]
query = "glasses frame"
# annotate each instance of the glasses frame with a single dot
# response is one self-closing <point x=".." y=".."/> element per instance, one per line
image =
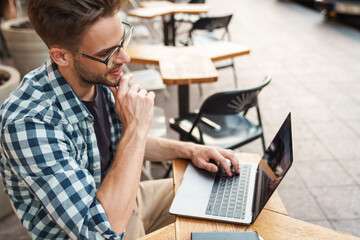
<point x="106" y="61"/>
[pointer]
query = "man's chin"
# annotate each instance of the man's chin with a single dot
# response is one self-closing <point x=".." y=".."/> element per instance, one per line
<point x="113" y="83"/>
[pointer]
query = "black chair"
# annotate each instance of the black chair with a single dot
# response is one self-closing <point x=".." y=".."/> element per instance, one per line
<point x="222" y="119"/>
<point x="210" y="29"/>
<point x="197" y="1"/>
<point x="207" y="25"/>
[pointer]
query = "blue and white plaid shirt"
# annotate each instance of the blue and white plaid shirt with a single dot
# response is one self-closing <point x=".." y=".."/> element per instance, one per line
<point x="49" y="159"/>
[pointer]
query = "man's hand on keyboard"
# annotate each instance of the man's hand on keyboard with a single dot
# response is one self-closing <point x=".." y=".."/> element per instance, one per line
<point x="221" y="168"/>
<point x="203" y="155"/>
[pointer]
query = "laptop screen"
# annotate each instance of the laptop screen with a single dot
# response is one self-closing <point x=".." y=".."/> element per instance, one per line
<point x="273" y="166"/>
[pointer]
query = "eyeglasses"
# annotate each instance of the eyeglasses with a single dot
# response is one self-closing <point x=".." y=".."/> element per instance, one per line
<point x="110" y="60"/>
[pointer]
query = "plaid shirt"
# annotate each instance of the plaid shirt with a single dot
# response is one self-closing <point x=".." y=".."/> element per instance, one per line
<point x="49" y="159"/>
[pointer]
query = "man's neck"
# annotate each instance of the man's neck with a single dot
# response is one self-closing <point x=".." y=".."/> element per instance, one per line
<point x="85" y="91"/>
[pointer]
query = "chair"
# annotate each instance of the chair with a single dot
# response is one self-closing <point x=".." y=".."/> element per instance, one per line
<point x="211" y="25"/>
<point x="222" y="119"/>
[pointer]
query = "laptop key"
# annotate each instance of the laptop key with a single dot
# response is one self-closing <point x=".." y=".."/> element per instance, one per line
<point x="209" y="210"/>
<point x="216" y="211"/>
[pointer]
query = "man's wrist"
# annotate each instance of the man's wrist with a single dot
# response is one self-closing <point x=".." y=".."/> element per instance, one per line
<point x="190" y="150"/>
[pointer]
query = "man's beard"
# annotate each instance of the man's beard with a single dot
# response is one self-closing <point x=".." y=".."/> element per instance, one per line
<point x="87" y="76"/>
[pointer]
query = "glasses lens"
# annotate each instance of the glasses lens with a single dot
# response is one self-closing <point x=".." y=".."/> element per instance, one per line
<point x="127" y="39"/>
<point x="125" y="43"/>
<point x="113" y="58"/>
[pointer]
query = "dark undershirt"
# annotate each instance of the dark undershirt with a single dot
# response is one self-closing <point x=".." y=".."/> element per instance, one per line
<point x="98" y="109"/>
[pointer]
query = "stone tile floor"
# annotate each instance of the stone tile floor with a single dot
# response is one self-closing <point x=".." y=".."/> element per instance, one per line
<point x="315" y="69"/>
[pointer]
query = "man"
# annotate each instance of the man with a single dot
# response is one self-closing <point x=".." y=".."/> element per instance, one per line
<point x="74" y="134"/>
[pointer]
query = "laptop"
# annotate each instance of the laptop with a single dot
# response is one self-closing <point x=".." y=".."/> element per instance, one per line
<point x="240" y="198"/>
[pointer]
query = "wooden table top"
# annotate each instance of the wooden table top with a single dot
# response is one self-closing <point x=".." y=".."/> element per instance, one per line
<point x="188" y="69"/>
<point x="186" y="65"/>
<point x="272" y="224"/>
<point x="160" y="8"/>
<point x="152" y="54"/>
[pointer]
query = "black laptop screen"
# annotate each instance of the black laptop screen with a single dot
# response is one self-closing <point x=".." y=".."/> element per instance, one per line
<point x="273" y="166"/>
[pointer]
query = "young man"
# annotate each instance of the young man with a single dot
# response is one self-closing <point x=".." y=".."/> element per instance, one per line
<point x="74" y="134"/>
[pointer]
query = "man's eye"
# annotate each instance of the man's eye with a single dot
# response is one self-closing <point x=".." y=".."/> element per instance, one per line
<point x="104" y="55"/>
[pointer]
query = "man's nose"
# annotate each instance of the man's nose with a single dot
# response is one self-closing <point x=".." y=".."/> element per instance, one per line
<point x="123" y="57"/>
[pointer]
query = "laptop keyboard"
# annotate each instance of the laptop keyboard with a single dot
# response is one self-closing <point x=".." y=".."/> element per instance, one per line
<point x="228" y="195"/>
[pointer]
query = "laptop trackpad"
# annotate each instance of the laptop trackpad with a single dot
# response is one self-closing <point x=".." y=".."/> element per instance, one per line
<point x="193" y="194"/>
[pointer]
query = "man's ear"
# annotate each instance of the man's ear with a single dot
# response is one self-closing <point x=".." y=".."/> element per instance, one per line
<point x="60" y="56"/>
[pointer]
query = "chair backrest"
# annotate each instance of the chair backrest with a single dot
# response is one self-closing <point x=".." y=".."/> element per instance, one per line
<point x="212" y="23"/>
<point x="233" y="102"/>
<point x="197" y="1"/>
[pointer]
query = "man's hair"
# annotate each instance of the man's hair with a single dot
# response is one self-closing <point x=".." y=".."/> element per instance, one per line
<point x="63" y="22"/>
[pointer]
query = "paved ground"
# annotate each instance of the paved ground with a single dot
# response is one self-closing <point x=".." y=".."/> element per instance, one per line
<point x="315" y="69"/>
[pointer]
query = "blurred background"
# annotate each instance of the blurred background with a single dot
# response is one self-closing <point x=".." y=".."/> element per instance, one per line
<point x="312" y="51"/>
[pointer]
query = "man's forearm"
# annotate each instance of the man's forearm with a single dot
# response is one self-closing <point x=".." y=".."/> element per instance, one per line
<point x="167" y="149"/>
<point x="117" y="192"/>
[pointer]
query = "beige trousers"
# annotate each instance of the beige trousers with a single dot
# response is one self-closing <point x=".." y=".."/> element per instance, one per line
<point x="151" y="210"/>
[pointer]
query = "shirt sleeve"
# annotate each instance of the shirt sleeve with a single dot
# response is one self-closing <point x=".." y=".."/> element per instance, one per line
<point x="44" y="156"/>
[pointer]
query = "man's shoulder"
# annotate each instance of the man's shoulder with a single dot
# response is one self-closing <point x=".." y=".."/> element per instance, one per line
<point x="33" y="98"/>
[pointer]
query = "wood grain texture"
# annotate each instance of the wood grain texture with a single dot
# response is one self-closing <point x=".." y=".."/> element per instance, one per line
<point x="165" y="233"/>
<point x="188" y="69"/>
<point x="274" y="226"/>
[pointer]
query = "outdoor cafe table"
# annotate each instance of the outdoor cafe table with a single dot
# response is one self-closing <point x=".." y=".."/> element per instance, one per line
<point x="273" y="222"/>
<point x="167" y="9"/>
<point x="186" y="65"/>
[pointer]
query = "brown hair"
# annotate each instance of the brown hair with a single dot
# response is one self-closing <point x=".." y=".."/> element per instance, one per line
<point x="63" y="22"/>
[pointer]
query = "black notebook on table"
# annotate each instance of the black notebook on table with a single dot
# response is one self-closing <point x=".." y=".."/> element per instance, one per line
<point x="224" y="236"/>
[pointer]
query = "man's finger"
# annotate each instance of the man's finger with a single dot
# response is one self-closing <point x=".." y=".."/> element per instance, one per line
<point x="151" y="95"/>
<point x="124" y="84"/>
<point x="210" y="167"/>
<point x="135" y="88"/>
<point x="217" y="156"/>
<point x="229" y="154"/>
<point x="113" y="90"/>
<point x="143" y="92"/>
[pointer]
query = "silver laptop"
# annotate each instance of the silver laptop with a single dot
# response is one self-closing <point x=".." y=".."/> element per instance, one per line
<point x="240" y="198"/>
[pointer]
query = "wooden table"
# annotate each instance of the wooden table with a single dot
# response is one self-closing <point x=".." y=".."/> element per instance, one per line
<point x="186" y="65"/>
<point x="272" y="224"/>
<point x="167" y="10"/>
